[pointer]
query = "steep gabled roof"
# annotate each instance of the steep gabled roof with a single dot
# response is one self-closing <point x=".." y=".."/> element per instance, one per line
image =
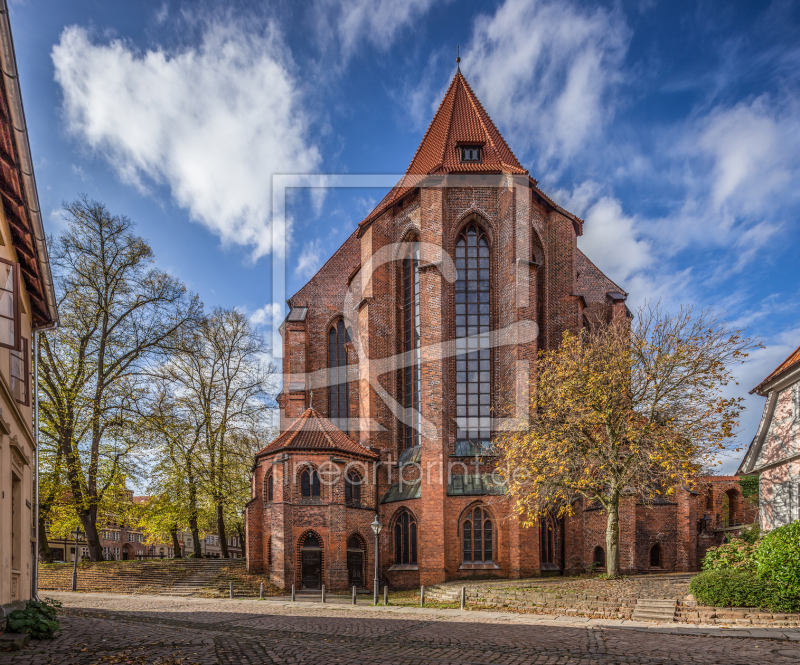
<point x="792" y="361"/>
<point x="311" y="431"/>
<point x="460" y="120"/>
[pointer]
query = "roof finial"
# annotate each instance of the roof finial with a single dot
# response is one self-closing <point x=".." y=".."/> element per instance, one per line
<point x="458" y="58"/>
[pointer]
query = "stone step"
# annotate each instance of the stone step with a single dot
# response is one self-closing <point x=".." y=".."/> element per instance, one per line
<point x="655" y="609"/>
<point x="14" y="641"/>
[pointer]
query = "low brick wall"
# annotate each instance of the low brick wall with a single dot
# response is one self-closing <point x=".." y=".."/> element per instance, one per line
<point x="600" y="599"/>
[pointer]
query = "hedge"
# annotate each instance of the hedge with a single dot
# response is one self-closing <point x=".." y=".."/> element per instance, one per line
<point x="742" y="588"/>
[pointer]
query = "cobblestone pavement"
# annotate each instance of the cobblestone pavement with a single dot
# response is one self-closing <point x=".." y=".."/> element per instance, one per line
<point x="140" y="630"/>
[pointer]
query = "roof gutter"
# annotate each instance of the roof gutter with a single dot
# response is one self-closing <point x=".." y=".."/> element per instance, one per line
<point x="8" y="63"/>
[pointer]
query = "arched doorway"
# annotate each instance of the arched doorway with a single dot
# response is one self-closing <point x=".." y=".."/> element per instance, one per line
<point x="355" y="562"/>
<point x="311" y="563"/>
<point x="126" y="552"/>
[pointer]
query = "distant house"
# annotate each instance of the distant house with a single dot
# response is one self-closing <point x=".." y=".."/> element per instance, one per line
<point x="774" y="453"/>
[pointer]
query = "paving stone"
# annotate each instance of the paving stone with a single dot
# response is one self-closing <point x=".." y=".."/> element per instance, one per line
<point x="158" y="630"/>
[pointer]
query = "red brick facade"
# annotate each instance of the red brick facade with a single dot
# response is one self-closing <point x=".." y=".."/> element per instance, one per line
<point x="537" y="275"/>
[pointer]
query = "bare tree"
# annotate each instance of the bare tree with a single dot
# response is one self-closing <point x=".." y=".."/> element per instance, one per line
<point x="118" y="314"/>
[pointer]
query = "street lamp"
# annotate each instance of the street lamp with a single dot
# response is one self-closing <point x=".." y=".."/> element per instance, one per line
<point x="376" y="529"/>
<point x="77" y="535"/>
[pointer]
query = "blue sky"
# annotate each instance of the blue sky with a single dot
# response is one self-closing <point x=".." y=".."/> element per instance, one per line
<point x="672" y="128"/>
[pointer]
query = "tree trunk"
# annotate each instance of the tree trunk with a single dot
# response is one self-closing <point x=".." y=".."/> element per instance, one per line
<point x="89" y="522"/>
<point x="223" y="538"/>
<point x="612" y="537"/>
<point x="176" y="545"/>
<point x="44" y="547"/>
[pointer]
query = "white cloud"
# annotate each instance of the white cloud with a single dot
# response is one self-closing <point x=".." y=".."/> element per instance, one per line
<point x="547" y="71"/>
<point x="357" y="21"/>
<point x="310" y="259"/>
<point x="269" y="315"/>
<point x="754" y="148"/>
<point x="212" y="122"/>
<point x="612" y="240"/>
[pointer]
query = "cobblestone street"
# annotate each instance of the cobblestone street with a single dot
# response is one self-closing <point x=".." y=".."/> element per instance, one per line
<point x="140" y="630"/>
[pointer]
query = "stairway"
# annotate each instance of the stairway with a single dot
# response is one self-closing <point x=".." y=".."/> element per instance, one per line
<point x="655" y="609"/>
<point x="205" y="571"/>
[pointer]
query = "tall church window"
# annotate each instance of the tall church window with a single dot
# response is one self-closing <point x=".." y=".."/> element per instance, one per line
<point x="474" y="357"/>
<point x="405" y="539"/>
<point x="269" y="487"/>
<point x="338" y="408"/>
<point x="478" y="533"/>
<point x="309" y="484"/>
<point x="412" y="379"/>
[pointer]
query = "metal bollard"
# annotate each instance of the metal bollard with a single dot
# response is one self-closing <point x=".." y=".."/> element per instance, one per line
<point x="354" y="595"/>
<point x="422" y="596"/>
<point x="323" y="593"/>
<point x="385" y="596"/>
<point x="261" y="592"/>
<point x="463" y="597"/>
<point x="292" y="592"/>
<point x="231" y="589"/>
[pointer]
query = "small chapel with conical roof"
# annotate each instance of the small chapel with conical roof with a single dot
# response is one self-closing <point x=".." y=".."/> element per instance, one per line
<point x="405" y="355"/>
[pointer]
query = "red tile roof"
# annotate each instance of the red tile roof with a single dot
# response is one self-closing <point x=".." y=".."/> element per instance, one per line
<point x="789" y="363"/>
<point x="313" y="432"/>
<point x="460" y="120"/>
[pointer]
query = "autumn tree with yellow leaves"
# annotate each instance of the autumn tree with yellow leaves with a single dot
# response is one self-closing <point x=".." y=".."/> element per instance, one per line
<point x="632" y="407"/>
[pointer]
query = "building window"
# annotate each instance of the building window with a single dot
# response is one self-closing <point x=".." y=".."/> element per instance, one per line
<point x="478" y="536"/>
<point x="9" y="305"/>
<point x="470" y="153"/>
<point x="352" y="488"/>
<point x="337" y="338"/>
<point x="474" y="356"/>
<point x="131" y="538"/>
<point x="309" y="484"/>
<point x="116" y="553"/>
<point x="19" y="373"/>
<point x="547" y="540"/>
<point x="655" y="556"/>
<point x="405" y="539"/>
<point x="269" y="487"/>
<point x="412" y="377"/>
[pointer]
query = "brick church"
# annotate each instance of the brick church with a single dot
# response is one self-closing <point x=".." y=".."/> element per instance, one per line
<point x="402" y="357"/>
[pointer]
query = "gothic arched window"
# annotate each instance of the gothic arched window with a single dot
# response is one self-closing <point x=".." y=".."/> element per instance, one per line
<point x="405" y="539"/>
<point x="478" y="536"/>
<point x="474" y="356"/>
<point x="352" y="487"/>
<point x="412" y="378"/>
<point x="309" y="484"/>
<point x="338" y="408"/>
<point x="269" y="487"/>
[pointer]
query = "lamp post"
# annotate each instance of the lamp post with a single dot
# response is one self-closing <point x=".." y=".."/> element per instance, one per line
<point x="77" y="534"/>
<point x="376" y="529"/>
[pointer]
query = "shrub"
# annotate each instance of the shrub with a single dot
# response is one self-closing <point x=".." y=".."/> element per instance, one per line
<point x="738" y="554"/>
<point x="38" y="619"/>
<point x="751" y="534"/>
<point x="777" y="557"/>
<point x="741" y="588"/>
